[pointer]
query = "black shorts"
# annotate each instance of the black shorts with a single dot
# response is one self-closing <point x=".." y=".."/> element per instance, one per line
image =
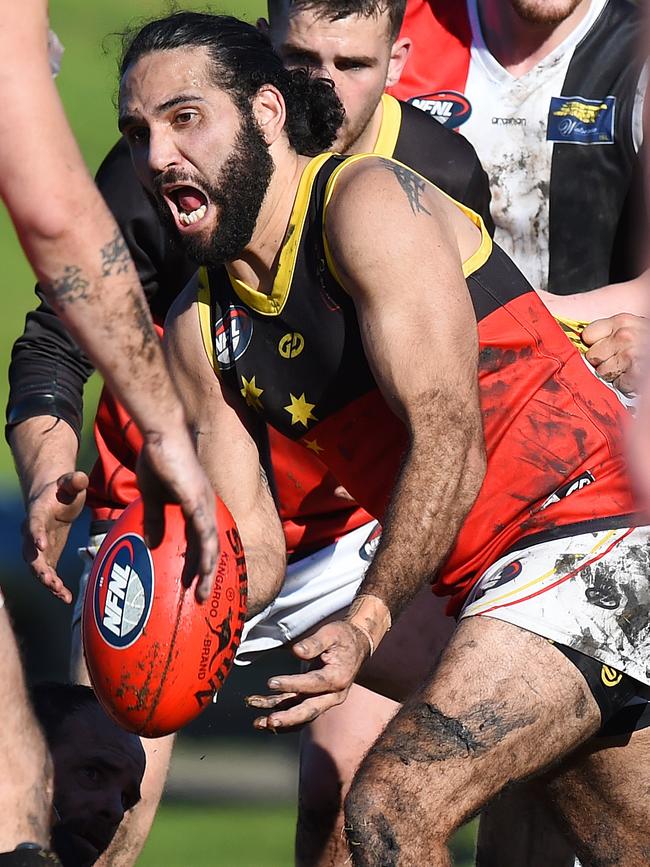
<point x="624" y="702"/>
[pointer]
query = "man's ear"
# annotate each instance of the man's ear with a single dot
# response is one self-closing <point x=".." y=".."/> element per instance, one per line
<point x="263" y="25"/>
<point x="398" y="56"/>
<point x="269" y="112"/>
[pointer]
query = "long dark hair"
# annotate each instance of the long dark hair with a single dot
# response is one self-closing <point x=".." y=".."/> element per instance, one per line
<point x="243" y="60"/>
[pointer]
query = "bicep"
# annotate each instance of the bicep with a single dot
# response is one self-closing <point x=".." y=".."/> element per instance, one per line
<point x="415" y="313"/>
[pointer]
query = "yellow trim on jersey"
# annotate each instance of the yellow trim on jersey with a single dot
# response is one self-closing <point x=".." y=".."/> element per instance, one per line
<point x="478" y="258"/>
<point x="391" y="122"/>
<point x="205" y="316"/>
<point x="273" y="304"/>
<point x="573" y="329"/>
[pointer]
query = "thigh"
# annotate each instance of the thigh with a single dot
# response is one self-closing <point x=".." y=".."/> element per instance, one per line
<point x="331" y="749"/>
<point x="601" y="796"/>
<point x="503" y="705"/>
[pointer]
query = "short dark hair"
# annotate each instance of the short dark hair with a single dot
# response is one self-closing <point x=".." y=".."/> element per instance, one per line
<point x="54" y="703"/>
<point x="334" y="10"/>
<point x="243" y="60"/>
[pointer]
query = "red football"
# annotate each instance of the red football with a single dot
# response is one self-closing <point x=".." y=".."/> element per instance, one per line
<point x="155" y="655"/>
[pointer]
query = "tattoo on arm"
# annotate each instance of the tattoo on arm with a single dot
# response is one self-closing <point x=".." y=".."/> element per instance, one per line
<point x="71" y="286"/>
<point x="411" y="184"/>
<point x="143" y="321"/>
<point x="115" y="256"/>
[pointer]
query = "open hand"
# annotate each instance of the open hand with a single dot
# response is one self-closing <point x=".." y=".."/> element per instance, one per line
<point x="50" y="514"/>
<point x="341" y="649"/>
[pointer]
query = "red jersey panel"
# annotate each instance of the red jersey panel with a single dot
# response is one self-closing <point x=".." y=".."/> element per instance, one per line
<point x="441" y="38"/>
<point x="553" y="434"/>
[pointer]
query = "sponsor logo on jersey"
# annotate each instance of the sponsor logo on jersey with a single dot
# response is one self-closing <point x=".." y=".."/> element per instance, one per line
<point x="576" y="120"/>
<point x="124" y="591"/>
<point x="568" y="488"/>
<point x="291" y="345"/>
<point x="507" y="573"/>
<point x="369" y="547"/>
<point x="232" y="335"/>
<point x="448" y="107"/>
<point x="610" y="676"/>
<point x="509" y="121"/>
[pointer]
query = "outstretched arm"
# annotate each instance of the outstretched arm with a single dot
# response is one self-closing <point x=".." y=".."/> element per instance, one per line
<point x="84" y="267"/>
<point x="228" y="451"/>
<point x="419" y="334"/>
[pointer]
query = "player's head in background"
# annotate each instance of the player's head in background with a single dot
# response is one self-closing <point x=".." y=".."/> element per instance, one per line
<point x="98" y="769"/>
<point x="209" y="112"/>
<point x="353" y="42"/>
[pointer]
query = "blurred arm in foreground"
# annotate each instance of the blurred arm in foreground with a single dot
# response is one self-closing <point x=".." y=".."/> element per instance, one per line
<point x="87" y="275"/>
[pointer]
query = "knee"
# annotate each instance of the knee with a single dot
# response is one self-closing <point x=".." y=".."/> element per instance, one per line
<point x="370" y="832"/>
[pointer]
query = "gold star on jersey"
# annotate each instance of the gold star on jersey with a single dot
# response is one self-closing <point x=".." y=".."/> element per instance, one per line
<point x="251" y="393"/>
<point x="313" y="446"/>
<point x="300" y="410"/>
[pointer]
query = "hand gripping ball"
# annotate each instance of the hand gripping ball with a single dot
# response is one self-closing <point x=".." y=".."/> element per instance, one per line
<point x="156" y="656"/>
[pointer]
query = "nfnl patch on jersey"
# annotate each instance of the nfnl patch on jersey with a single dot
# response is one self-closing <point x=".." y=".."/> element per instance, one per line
<point x="232" y="335"/>
<point x="448" y="107"/>
<point x="576" y="120"/>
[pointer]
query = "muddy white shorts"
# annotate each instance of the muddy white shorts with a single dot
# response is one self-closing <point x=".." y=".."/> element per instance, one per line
<point x="589" y="592"/>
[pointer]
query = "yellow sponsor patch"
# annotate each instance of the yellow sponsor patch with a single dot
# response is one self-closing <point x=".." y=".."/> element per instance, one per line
<point x="609" y="676"/>
<point x="291" y="345"/>
<point x="581" y="111"/>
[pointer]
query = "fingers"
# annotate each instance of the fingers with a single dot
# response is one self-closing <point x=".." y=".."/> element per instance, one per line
<point x="602" y="350"/>
<point x="44" y="573"/>
<point x="303" y="713"/>
<point x="268" y="702"/>
<point x="70" y="485"/>
<point x="598" y="330"/>
<point x="204" y="526"/>
<point x="330" y="678"/>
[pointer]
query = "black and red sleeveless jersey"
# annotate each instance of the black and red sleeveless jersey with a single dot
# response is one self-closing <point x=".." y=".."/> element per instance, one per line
<point x="553" y="432"/>
<point x="313" y="516"/>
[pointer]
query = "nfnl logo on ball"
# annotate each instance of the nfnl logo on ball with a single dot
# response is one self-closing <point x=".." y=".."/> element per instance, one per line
<point x="124" y="591"/>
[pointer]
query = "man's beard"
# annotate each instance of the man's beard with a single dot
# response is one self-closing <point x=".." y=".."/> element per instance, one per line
<point x="238" y="193"/>
<point x="544" y="12"/>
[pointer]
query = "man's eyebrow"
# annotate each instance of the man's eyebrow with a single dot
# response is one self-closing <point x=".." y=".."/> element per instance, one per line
<point x="292" y="48"/>
<point x="289" y="48"/>
<point x="104" y="763"/>
<point x="126" y="120"/>
<point x="177" y="100"/>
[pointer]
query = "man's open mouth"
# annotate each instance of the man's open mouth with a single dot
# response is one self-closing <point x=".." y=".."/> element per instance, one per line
<point x="189" y="205"/>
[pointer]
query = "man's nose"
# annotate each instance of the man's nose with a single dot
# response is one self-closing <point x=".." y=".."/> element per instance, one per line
<point x="162" y="151"/>
<point x="111" y="808"/>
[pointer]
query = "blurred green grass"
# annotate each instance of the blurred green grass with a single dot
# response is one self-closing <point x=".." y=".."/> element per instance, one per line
<point x="232" y="836"/>
<point x="87" y="85"/>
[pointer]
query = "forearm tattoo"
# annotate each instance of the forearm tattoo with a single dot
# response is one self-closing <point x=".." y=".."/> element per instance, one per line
<point x="70" y="287"/>
<point x="411" y="184"/>
<point x="115" y="256"/>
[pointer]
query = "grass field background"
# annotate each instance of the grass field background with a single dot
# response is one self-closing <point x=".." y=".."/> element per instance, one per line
<point x="187" y="835"/>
